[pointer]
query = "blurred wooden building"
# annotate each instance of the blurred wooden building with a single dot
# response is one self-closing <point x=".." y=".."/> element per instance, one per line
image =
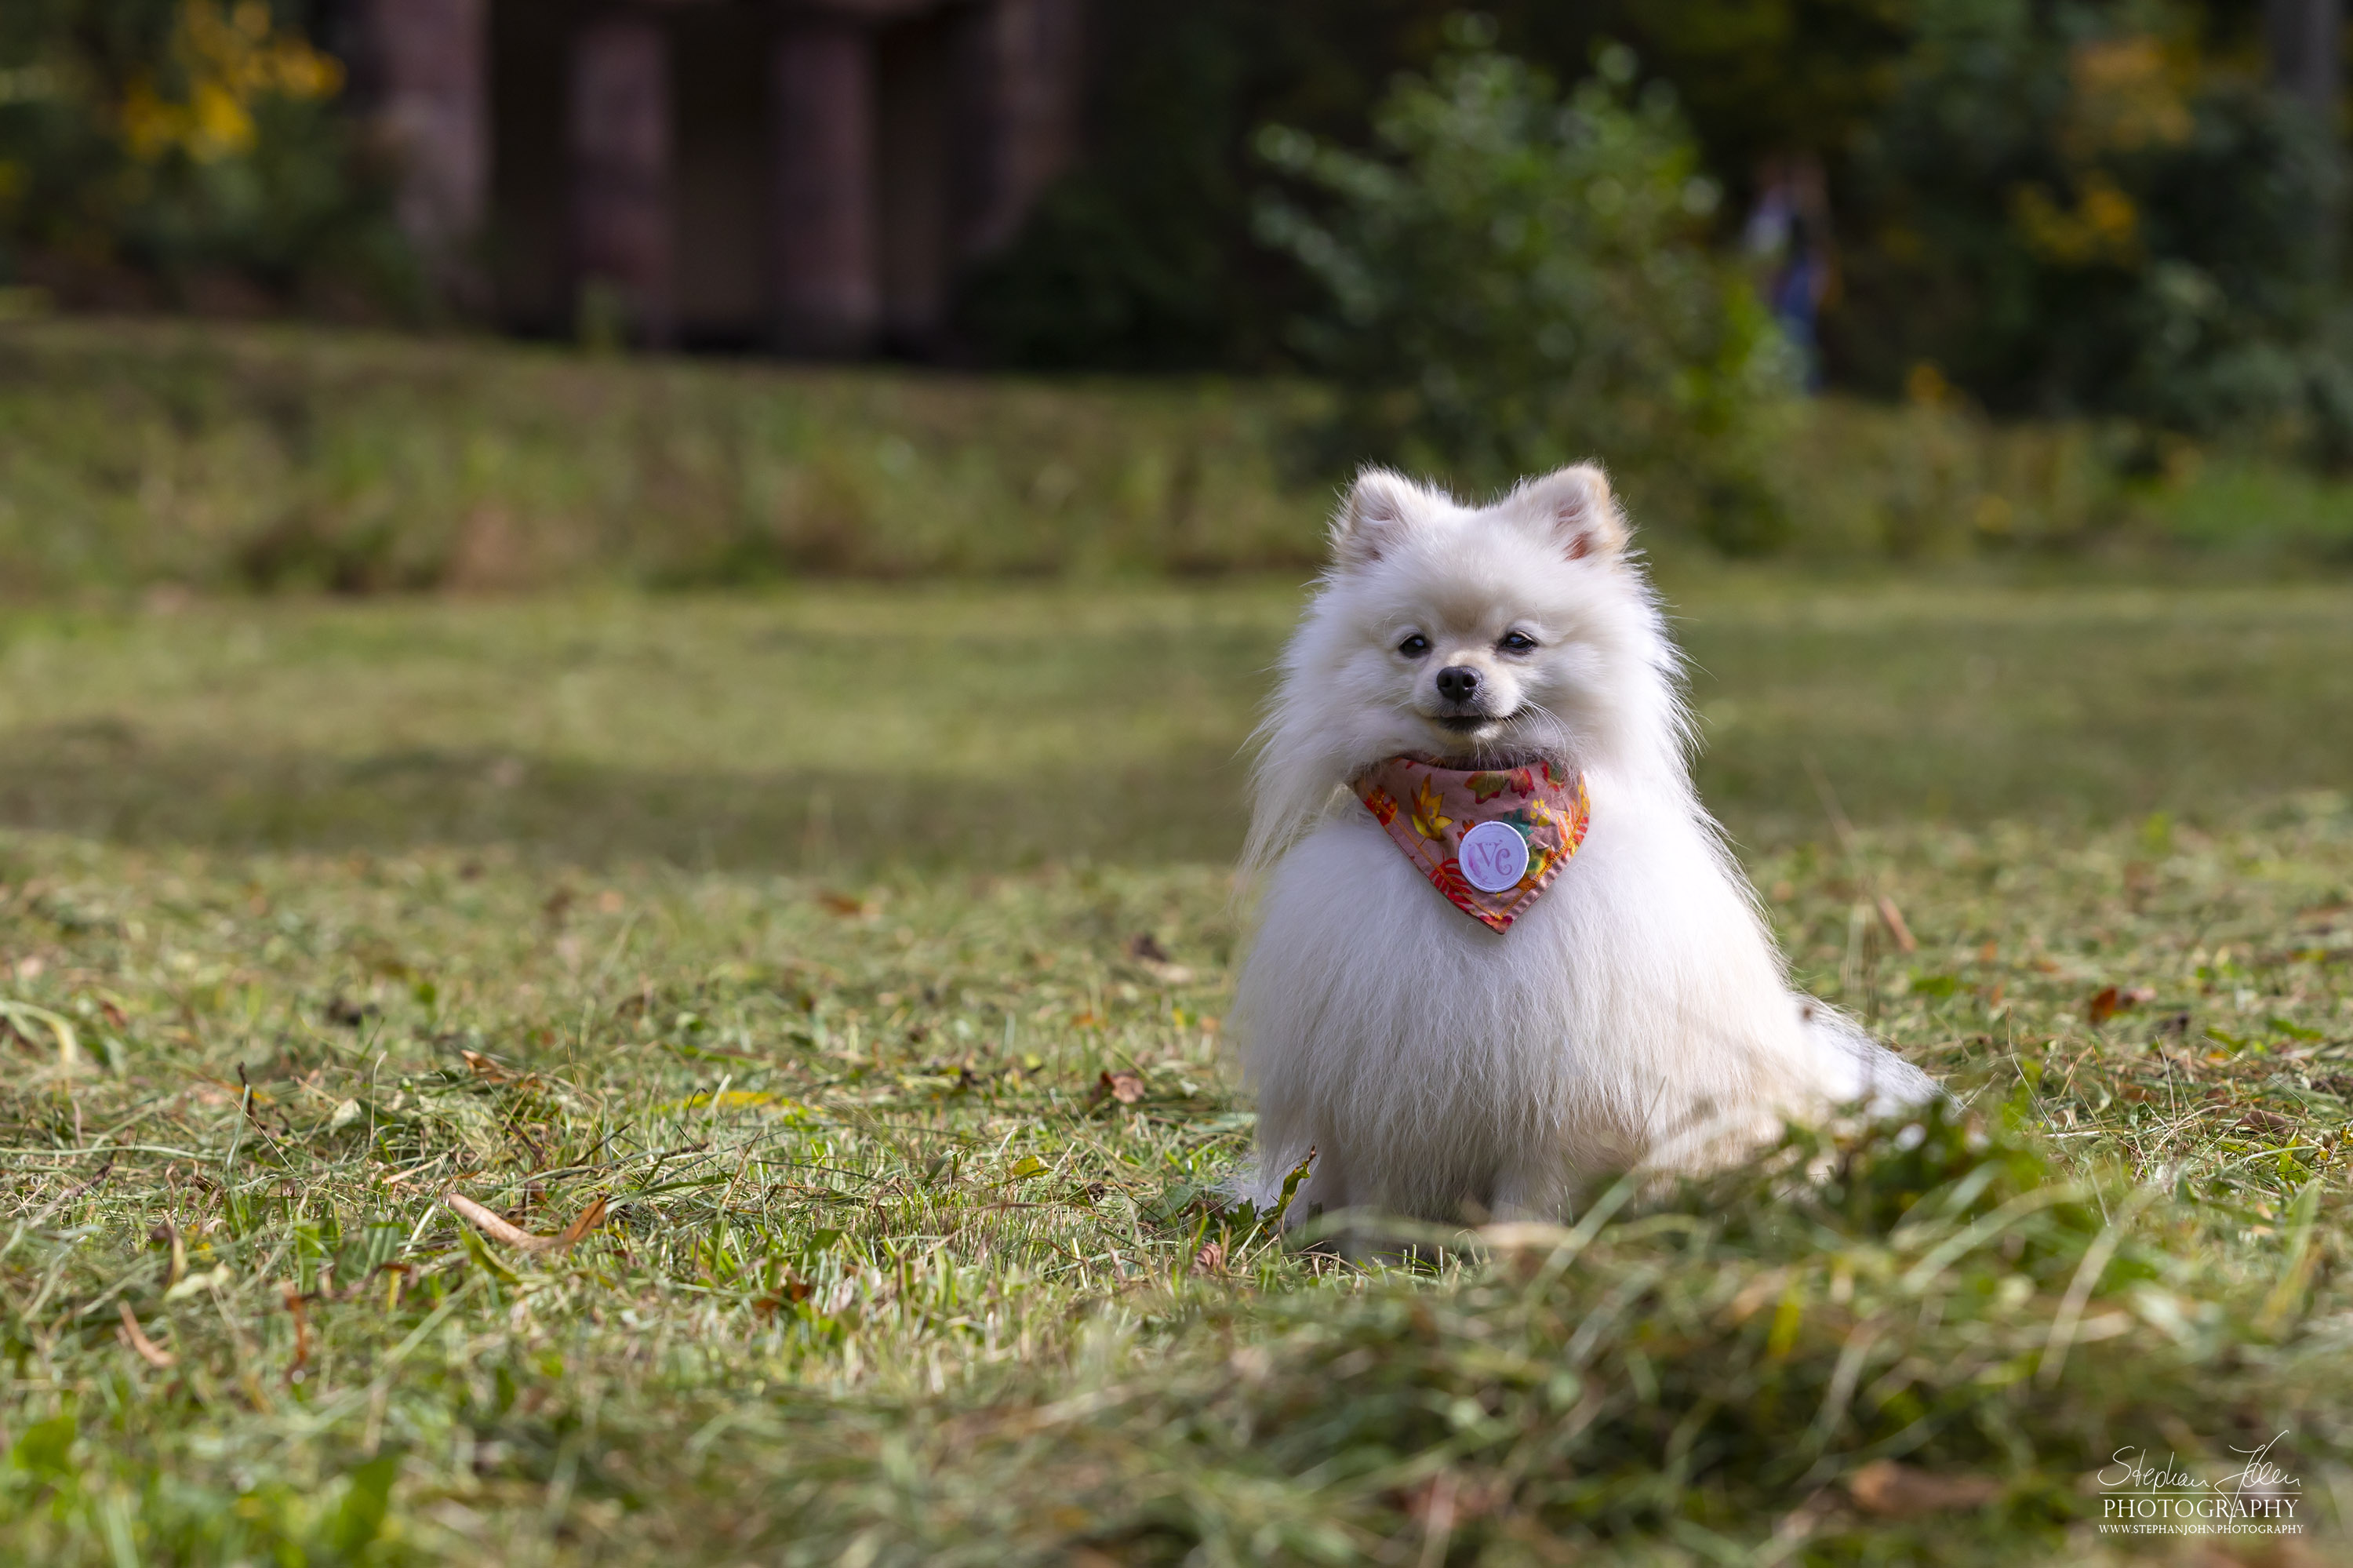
<point x="805" y="175"/>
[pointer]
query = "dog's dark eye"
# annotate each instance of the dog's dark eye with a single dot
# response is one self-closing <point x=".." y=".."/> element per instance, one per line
<point x="1415" y="646"/>
<point x="1518" y="642"/>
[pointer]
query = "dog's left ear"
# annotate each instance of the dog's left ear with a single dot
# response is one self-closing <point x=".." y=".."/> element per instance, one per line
<point x="1576" y="505"/>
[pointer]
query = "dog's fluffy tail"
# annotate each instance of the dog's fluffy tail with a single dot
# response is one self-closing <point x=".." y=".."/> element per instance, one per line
<point x="1859" y="1070"/>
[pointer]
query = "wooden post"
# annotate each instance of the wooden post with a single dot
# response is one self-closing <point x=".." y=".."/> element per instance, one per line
<point x="621" y="143"/>
<point x="1031" y="55"/>
<point x="430" y="97"/>
<point x="2305" y="39"/>
<point x="827" y="294"/>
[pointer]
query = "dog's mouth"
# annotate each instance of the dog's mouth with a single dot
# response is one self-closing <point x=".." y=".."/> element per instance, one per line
<point x="1471" y="724"/>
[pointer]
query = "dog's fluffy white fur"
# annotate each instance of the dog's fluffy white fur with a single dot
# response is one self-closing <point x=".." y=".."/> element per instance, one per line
<point x="1637" y="1015"/>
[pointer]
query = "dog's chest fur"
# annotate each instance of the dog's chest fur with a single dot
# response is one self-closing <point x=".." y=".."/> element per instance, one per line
<point x="1431" y="1061"/>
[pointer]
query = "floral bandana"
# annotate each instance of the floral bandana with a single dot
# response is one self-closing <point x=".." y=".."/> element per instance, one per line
<point x="1490" y="839"/>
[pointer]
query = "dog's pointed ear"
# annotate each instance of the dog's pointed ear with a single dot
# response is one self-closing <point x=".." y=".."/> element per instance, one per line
<point x="1576" y="505"/>
<point x="1378" y="508"/>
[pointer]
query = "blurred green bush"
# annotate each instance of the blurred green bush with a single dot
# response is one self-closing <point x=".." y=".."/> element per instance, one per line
<point x="187" y="152"/>
<point x="1518" y="281"/>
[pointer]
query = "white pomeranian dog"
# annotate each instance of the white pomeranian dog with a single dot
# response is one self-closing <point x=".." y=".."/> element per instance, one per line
<point x="1501" y="947"/>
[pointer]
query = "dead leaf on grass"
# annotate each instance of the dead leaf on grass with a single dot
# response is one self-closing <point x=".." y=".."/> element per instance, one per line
<point x="848" y="906"/>
<point x="587" y="1219"/>
<point x="488" y="1070"/>
<point x="505" y="1231"/>
<point x="1893" y="918"/>
<point x="2257" y="1119"/>
<point x="1211" y="1259"/>
<point x="291" y="1293"/>
<point x="148" y="1350"/>
<point x="2109" y="1000"/>
<point x="1146" y="954"/>
<point x="1126" y="1087"/>
<point x="1898" y="1491"/>
<point x="348" y="1014"/>
<point x="1152" y="959"/>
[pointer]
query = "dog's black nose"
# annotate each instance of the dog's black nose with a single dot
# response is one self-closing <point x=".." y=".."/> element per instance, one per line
<point x="1458" y="683"/>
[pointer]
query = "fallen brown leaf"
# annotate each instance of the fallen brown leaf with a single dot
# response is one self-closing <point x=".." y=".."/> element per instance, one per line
<point x="2109" y="1000"/>
<point x="1153" y="959"/>
<point x="1899" y="1491"/>
<point x="846" y="904"/>
<point x="154" y="1355"/>
<point x="1894" y="918"/>
<point x="505" y="1231"/>
<point x="1126" y="1087"/>
<point x="292" y="1294"/>
<point x="350" y="1014"/>
<point x="1211" y="1259"/>
<point x="2257" y="1119"/>
<point x="587" y="1219"/>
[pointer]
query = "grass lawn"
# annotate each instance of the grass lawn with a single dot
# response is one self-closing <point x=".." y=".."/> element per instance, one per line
<point x="819" y="993"/>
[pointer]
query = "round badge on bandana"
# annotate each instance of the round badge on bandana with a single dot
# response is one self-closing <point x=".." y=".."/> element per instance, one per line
<point x="1494" y="857"/>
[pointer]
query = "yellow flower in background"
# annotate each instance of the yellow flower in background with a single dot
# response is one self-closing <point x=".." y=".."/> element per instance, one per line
<point x="223" y="124"/>
<point x="230" y="60"/>
<point x="2103" y="225"/>
<point x="2126" y="95"/>
<point x="2129" y="93"/>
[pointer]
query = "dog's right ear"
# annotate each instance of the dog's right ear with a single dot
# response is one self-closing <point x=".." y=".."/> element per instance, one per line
<point x="1375" y="514"/>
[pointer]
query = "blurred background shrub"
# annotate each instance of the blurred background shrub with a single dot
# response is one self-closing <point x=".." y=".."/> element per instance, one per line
<point x="2072" y="210"/>
<point x="1518" y="281"/>
<point x="187" y="152"/>
<point x="2095" y="209"/>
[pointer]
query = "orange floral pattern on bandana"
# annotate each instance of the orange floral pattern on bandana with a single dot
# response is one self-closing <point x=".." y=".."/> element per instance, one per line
<point x="1439" y="816"/>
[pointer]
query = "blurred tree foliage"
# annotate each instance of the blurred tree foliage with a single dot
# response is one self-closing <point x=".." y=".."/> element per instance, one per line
<point x="186" y="150"/>
<point x="2083" y="209"/>
<point x="1143" y="256"/>
<point x="1517" y="281"/>
<point x="2070" y="207"/>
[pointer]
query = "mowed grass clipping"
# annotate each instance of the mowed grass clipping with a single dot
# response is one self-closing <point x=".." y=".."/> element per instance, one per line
<point x="842" y="1178"/>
